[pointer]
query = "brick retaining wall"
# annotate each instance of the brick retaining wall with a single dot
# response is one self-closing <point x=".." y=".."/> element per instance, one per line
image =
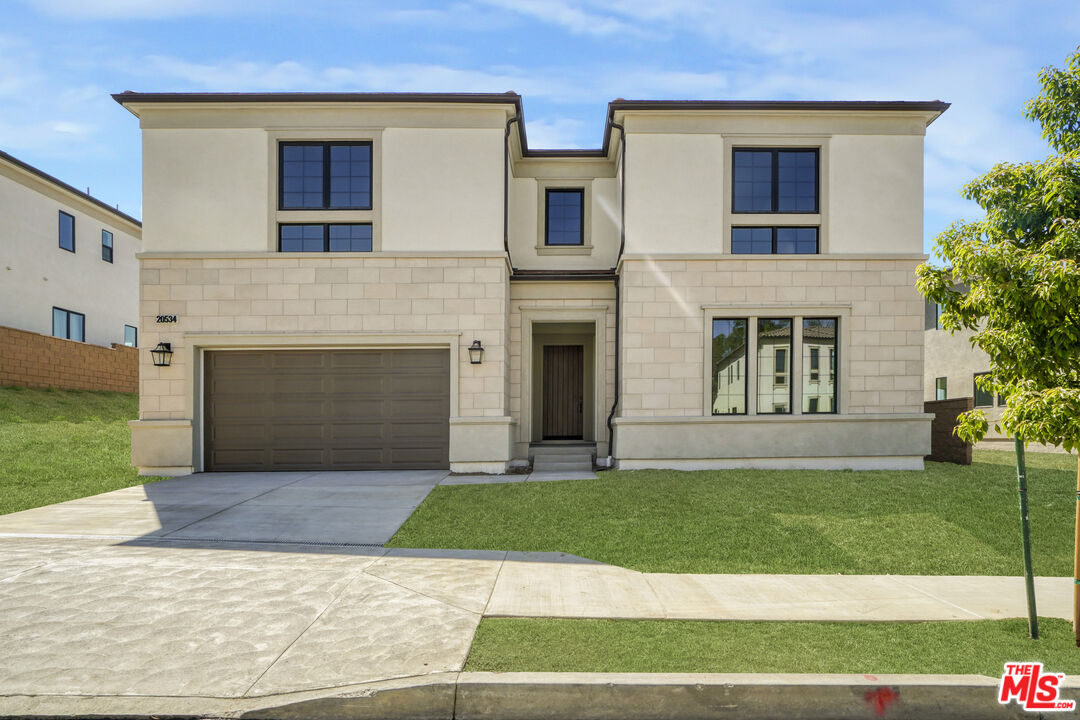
<point x="944" y="445"/>
<point x="38" y="361"/>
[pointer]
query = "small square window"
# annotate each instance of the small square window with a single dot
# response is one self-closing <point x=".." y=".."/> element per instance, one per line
<point x="67" y="231"/>
<point x="324" y="176"/>
<point x="131" y="336"/>
<point x="565" y="217"/>
<point x="773" y="180"/>
<point x="106" y="246"/>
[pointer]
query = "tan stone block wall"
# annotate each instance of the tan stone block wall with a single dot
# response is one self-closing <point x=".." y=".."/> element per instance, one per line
<point x="664" y="327"/>
<point x="33" y="360"/>
<point x="285" y="294"/>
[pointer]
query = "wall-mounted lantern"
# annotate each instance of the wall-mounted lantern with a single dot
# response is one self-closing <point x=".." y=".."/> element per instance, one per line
<point x="162" y="354"/>
<point x="476" y="352"/>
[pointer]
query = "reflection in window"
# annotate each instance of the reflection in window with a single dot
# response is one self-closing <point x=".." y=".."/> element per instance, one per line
<point x="333" y="237"/>
<point x="325" y="176"/>
<point x="818" y="388"/>
<point x="729" y="366"/>
<point x="774" y="240"/>
<point x="131" y="336"/>
<point x="941" y="388"/>
<point x="774" y="365"/>
<point x="67" y="231"/>
<point x="69" y="324"/>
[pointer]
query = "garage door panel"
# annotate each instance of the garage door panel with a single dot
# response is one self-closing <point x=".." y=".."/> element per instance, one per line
<point x="327" y="409"/>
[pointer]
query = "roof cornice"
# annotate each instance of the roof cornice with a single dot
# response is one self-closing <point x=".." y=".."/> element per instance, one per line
<point x="61" y="185"/>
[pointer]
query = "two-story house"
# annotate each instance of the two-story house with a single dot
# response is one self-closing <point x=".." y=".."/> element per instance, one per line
<point x="399" y="281"/>
<point x="67" y="260"/>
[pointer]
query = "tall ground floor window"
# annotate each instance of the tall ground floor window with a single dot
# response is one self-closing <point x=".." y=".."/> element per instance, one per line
<point x="785" y="366"/>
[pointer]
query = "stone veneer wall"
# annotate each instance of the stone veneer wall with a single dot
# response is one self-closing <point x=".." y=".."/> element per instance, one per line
<point x="33" y="360"/>
<point x="664" y="331"/>
<point x="285" y="294"/>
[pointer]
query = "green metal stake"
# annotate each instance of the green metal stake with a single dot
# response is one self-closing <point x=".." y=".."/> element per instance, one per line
<point x="1025" y="530"/>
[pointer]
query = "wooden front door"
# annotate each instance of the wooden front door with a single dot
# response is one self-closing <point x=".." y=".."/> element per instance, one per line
<point x="564" y="391"/>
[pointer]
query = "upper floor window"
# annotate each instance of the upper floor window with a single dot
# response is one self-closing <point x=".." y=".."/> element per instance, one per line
<point x="67" y="231"/>
<point x="325" y="237"/>
<point x="565" y="217"/>
<point x="324" y="176"/>
<point x="106" y="246"/>
<point x="131" y="336"/>
<point x="773" y="180"/>
<point x="68" y="324"/>
<point x="767" y="240"/>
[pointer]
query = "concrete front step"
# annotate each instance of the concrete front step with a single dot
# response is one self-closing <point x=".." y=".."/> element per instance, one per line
<point x="570" y="448"/>
<point x="562" y="462"/>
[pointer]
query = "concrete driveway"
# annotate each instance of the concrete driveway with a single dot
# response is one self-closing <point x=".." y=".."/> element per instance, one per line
<point x="338" y="508"/>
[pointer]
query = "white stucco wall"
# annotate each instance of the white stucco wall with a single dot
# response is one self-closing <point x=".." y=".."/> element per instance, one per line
<point x="37" y="275"/>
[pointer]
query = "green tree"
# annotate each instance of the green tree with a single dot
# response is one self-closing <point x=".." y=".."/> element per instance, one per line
<point x="1013" y="279"/>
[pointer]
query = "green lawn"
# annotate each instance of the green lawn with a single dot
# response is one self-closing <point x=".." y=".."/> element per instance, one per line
<point x="59" y="445"/>
<point x="979" y="647"/>
<point x="948" y="520"/>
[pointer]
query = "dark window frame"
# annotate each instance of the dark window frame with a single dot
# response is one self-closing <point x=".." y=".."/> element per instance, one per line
<point x="790" y="363"/>
<point x="976" y="390"/>
<point x="834" y="362"/>
<point x="108" y="246"/>
<point x="774" y="229"/>
<point x="942" y="386"/>
<point x="326" y="145"/>
<point x="580" y="191"/>
<point x="326" y="236"/>
<point x="746" y="361"/>
<point x="67" y="324"/>
<point x="776" y="180"/>
<point x="60" y="231"/>
<point x="136" y="330"/>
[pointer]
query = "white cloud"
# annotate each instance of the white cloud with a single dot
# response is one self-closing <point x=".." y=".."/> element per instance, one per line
<point x="560" y="133"/>
<point x="569" y="16"/>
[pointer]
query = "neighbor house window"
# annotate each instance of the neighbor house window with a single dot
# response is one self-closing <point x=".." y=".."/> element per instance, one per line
<point x="729" y="353"/>
<point x="937" y="316"/>
<point x="941" y="388"/>
<point x="774" y="365"/>
<point x="774" y="240"/>
<point x="67" y="231"/>
<point x="818" y="342"/>
<point x="106" y="246"/>
<point x="775" y="180"/>
<point x="69" y="325"/>
<point x="131" y="336"/>
<point x="565" y="217"/>
<point x="325" y="237"/>
<point x="983" y="398"/>
<point x="324" y="176"/>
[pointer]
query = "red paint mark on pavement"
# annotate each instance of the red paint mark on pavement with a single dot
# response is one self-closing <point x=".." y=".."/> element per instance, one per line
<point x="871" y="678"/>
<point x="880" y="699"/>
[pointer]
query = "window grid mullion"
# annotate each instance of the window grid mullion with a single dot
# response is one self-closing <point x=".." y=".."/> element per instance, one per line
<point x="775" y="205"/>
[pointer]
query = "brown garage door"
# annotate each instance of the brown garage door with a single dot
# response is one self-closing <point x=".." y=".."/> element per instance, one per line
<point x="327" y="409"/>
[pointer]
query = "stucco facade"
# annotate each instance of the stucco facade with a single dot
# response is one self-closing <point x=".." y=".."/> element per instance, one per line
<point x="460" y="252"/>
<point x="39" y="275"/>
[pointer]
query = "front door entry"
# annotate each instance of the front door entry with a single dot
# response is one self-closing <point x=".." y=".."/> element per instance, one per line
<point x="564" y="391"/>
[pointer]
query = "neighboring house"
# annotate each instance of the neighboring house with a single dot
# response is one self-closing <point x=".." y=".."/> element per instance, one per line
<point x="336" y="262"/>
<point x="952" y="364"/>
<point x="67" y="260"/>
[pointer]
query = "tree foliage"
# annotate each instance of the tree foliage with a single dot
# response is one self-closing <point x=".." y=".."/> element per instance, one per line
<point x="1013" y="278"/>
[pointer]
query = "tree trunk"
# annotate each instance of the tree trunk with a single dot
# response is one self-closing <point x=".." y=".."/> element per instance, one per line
<point x="1025" y="536"/>
<point x="1076" y="560"/>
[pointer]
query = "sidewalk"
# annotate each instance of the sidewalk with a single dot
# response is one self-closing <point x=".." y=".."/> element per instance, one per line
<point x="210" y="622"/>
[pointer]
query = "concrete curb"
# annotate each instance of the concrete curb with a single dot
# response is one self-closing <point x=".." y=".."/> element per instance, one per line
<point x="572" y="696"/>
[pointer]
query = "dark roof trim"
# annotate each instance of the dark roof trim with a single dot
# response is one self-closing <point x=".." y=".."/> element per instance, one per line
<point x="563" y="275"/>
<point x="512" y="98"/>
<point x="67" y="188"/>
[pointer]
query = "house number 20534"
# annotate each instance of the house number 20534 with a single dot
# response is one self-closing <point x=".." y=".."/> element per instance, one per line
<point x="166" y="318"/>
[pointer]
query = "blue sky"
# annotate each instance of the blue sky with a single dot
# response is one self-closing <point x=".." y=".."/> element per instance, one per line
<point x="60" y="59"/>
